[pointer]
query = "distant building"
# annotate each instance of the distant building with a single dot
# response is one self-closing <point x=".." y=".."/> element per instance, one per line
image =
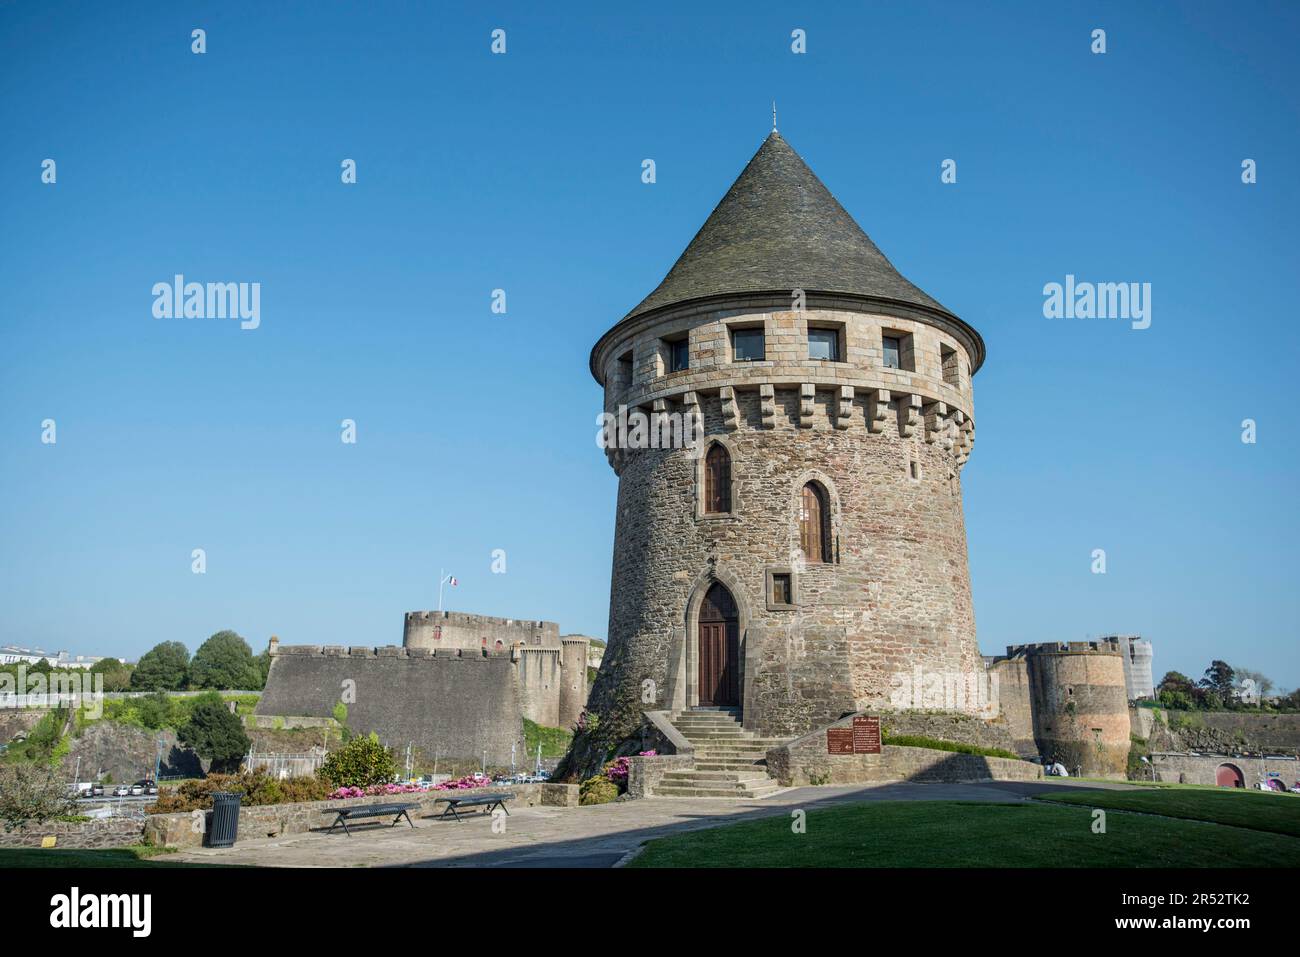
<point x="15" y="655"/>
<point x="1137" y="664"/>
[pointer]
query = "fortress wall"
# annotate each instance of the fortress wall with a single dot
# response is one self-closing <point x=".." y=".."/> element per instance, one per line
<point x="1014" y="703"/>
<point x="454" y="629"/>
<point x="452" y="705"/>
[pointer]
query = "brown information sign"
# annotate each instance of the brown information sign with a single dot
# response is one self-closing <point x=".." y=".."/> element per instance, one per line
<point x="839" y="740"/>
<point x="866" y="734"/>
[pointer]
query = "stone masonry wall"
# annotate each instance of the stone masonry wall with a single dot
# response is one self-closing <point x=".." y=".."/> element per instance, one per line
<point x="1014" y="703"/>
<point x="456" y="706"/>
<point x="98" y="834"/>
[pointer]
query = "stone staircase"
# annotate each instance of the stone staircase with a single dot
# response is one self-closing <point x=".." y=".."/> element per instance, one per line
<point x="729" y="761"/>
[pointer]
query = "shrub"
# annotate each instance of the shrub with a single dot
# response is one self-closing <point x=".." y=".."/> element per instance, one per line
<point x="32" y="793"/>
<point x="156" y="711"/>
<point x="361" y="762"/>
<point x="258" y="788"/>
<point x="597" y="790"/>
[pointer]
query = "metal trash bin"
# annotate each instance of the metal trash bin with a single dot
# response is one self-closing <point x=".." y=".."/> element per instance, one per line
<point x="225" y="818"/>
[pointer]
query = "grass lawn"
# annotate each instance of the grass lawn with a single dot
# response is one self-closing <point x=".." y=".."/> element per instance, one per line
<point x="1279" y="813"/>
<point x="135" y="856"/>
<point x="956" y="834"/>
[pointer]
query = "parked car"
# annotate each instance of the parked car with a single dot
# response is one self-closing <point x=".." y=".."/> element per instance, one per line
<point x="97" y="790"/>
<point x="121" y="791"/>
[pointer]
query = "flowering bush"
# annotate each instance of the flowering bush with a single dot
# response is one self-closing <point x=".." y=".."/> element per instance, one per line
<point x="375" y="789"/>
<point x="468" y="781"/>
<point x="617" y="770"/>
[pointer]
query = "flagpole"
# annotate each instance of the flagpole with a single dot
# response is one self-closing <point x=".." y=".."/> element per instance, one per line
<point x="442" y="577"/>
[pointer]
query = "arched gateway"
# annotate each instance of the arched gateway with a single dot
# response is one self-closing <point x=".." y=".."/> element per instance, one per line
<point x="719" y="643"/>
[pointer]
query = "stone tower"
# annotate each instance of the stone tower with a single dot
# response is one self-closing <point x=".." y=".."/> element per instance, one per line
<point x="808" y="557"/>
<point x="1079" y="702"/>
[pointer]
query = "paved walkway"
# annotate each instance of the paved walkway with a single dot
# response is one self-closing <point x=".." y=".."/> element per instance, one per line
<point x="597" y="836"/>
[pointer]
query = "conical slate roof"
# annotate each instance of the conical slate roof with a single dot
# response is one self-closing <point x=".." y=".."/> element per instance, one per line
<point x="778" y="229"/>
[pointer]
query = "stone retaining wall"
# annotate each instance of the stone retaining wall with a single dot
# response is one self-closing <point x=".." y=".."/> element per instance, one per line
<point x="645" y="773"/>
<point x="185" y="829"/>
<point x="804" y="761"/>
<point x="108" y="832"/>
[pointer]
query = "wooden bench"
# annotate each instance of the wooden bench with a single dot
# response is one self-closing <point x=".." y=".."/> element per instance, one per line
<point x="345" y="814"/>
<point x="487" y="801"/>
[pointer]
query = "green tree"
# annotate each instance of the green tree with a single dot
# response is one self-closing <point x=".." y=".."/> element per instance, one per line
<point x="215" y="733"/>
<point x="1219" y="679"/>
<point x="226" y="663"/>
<point x="1176" y="681"/>
<point x="116" y="675"/>
<point x="361" y="762"/>
<point x="165" y="667"/>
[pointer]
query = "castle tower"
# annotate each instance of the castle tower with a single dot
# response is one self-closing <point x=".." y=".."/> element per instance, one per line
<point x="573" y="679"/>
<point x="1079" y="703"/>
<point x="810" y="553"/>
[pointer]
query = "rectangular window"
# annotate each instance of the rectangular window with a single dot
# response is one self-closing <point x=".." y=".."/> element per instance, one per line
<point x="781" y="590"/>
<point x="747" y="345"/>
<point x="951" y="371"/>
<point x="893" y="349"/>
<point x="824" y="344"/>
<point x="679" y="355"/>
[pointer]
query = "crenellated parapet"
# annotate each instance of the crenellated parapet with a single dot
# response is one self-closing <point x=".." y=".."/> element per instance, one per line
<point x="818" y="405"/>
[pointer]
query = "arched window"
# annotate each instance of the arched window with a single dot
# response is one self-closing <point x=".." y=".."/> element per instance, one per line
<point x="814" y="524"/>
<point x="717" y="479"/>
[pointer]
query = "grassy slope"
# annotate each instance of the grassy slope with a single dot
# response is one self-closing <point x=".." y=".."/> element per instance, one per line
<point x="1279" y="813"/>
<point x="954" y="834"/>
<point x="554" y="741"/>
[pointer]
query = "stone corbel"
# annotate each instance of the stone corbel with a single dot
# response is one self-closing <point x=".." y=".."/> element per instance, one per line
<point x="909" y="415"/>
<point x="936" y="424"/>
<point x="807" y="395"/>
<point x="730" y="410"/>
<point x="877" y="409"/>
<point x="767" y="402"/>
<point x="844" y="407"/>
<point x="692" y="414"/>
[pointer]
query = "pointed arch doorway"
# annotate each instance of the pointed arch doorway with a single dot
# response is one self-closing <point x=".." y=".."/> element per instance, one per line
<point x="719" y="649"/>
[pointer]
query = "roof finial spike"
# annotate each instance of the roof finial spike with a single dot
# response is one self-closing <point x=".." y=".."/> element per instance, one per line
<point x="774" y="116"/>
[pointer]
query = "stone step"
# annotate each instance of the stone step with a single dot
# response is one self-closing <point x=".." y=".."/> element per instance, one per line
<point x="729" y="776"/>
<point x="757" y="792"/>
<point x="731" y="766"/>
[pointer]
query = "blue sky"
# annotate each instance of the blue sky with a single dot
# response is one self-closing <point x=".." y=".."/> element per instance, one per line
<point x="522" y="172"/>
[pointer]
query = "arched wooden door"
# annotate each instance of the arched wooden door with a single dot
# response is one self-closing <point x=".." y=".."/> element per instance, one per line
<point x="719" y="649"/>
<point x="1229" y="776"/>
